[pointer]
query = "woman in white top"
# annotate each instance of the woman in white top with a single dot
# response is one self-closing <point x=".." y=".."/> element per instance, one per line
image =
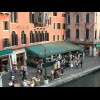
<point x="71" y="64"/>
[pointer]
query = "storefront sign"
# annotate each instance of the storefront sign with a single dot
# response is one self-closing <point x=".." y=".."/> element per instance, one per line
<point x="22" y="27"/>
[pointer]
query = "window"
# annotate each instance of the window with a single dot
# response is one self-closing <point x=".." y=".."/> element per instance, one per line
<point x="96" y="34"/>
<point x="54" y="38"/>
<point x="41" y="37"/>
<point x="68" y="34"/>
<point x="23" y="37"/>
<point x="63" y="14"/>
<point x="6" y="42"/>
<point x="5" y="25"/>
<point x="36" y="34"/>
<point x="58" y="25"/>
<point x="54" y="26"/>
<point x="87" y="18"/>
<point x="14" y="17"/>
<point x="14" y="38"/>
<point x="31" y="37"/>
<point x="31" y="17"/>
<point x="54" y="13"/>
<point x="46" y="36"/>
<point x="58" y="37"/>
<point x="64" y="26"/>
<point x="50" y="20"/>
<point x="87" y="33"/>
<point x="62" y="37"/>
<point x="68" y="19"/>
<point x="77" y="18"/>
<point x="77" y="33"/>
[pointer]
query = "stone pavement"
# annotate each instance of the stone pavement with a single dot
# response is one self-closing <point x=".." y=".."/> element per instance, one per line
<point x="88" y="62"/>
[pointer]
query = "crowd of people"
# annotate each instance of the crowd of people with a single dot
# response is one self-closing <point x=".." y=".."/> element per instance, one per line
<point x="60" y="64"/>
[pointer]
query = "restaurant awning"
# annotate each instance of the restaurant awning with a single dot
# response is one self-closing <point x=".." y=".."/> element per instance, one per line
<point x="52" y="48"/>
<point x="98" y="44"/>
<point x="5" y="52"/>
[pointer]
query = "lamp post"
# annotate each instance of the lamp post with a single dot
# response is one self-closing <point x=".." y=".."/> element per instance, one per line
<point x="46" y="80"/>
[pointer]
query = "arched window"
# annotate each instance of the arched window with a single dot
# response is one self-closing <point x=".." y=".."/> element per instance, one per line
<point x="31" y="37"/>
<point x="23" y="37"/>
<point x="14" y="37"/>
<point x="47" y="36"/>
<point x="43" y="36"/>
<point x="36" y="34"/>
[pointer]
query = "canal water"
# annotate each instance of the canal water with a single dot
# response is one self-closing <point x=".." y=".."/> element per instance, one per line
<point x="90" y="80"/>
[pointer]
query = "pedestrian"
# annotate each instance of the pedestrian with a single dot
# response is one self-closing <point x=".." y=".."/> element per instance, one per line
<point x="21" y="70"/>
<point x="12" y="74"/>
<point x="81" y="63"/>
<point x="71" y="64"/>
<point x="24" y="74"/>
<point x="77" y="64"/>
<point x="62" y="70"/>
<point x="26" y="70"/>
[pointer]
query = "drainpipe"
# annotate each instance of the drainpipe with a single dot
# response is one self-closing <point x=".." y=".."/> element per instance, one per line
<point x="10" y="41"/>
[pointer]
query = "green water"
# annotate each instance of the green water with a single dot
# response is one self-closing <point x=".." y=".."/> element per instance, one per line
<point x="90" y="80"/>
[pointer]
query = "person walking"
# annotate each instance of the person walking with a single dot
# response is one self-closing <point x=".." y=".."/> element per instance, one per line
<point x="81" y="63"/>
<point x="62" y="70"/>
<point x="24" y="74"/>
<point x="77" y="64"/>
<point x="12" y="74"/>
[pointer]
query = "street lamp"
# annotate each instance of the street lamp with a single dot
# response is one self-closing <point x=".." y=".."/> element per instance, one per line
<point x="46" y="80"/>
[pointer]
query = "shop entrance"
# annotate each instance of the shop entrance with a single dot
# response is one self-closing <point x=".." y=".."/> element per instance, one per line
<point x="4" y="63"/>
<point x="20" y="58"/>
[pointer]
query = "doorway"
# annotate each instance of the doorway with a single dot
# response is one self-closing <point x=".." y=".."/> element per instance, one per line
<point x="20" y="58"/>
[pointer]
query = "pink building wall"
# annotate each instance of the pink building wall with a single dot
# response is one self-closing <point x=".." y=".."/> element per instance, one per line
<point x="3" y="33"/>
<point x="81" y="26"/>
<point x="23" y="20"/>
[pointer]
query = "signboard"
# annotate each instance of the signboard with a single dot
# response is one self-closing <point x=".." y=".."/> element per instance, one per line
<point x="22" y="27"/>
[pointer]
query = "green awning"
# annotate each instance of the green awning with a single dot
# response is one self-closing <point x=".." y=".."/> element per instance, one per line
<point x="98" y="44"/>
<point x="5" y="52"/>
<point x="52" y="48"/>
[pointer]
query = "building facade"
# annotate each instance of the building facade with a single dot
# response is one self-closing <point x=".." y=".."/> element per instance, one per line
<point x="84" y="28"/>
<point x="28" y="29"/>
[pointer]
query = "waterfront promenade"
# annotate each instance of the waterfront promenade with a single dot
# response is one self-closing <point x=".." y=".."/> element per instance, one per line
<point x="89" y="63"/>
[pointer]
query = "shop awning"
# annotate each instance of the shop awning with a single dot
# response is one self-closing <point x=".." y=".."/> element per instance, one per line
<point x="98" y="44"/>
<point x="5" y="52"/>
<point x="52" y="48"/>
